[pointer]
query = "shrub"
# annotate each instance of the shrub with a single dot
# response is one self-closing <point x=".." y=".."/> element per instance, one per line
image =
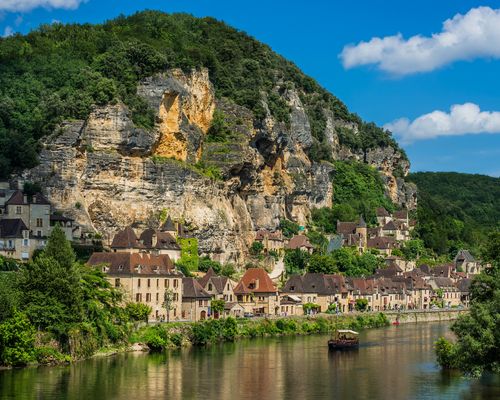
<point x="138" y="311"/>
<point x="156" y="338"/>
<point x="445" y="353"/>
<point x="50" y="356"/>
<point x="17" y="340"/>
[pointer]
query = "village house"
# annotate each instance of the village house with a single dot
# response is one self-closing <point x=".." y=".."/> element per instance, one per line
<point x="445" y="289"/>
<point x="365" y="289"/>
<point x="465" y="262"/>
<point x="160" y="242"/>
<point x="195" y="300"/>
<point x="300" y="242"/>
<point x="271" y="241"/>
<point x="218" y="286"/>
<point x="291" y="305"/>
<point x="144" y="278"/>
<point x="354" y="234"/>
<point x="26" y="222"/>
<point x="257" y="293"/>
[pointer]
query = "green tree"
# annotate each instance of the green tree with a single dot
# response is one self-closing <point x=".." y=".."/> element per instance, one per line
<point x="256" y="248"/>
<point x="59" y="248"/>
<point x="477" y="335"/>
<point x="288" y="228"/>
<point x="168" y="302"/>
<point x="138" y="311"/>
<point x="324" y="264"/>
<point x="217" y="307"/>
<point x="17" y="340"/>
<point x="296" y="261"/>
<point x="361" y="305"/>
<point x="206" y="263"/>
<point x="9" y="294"/>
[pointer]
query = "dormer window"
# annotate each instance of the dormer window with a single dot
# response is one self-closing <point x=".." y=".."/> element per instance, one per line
<point x="120" y="268"/>
<point x="105" y="269"/>
<point x="156" y="269"/>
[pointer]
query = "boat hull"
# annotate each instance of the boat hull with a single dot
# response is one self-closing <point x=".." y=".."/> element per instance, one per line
<point x="334" y="345"/>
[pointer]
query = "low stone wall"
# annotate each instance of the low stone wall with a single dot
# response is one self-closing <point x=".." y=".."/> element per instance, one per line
<point x="407" y="317"/>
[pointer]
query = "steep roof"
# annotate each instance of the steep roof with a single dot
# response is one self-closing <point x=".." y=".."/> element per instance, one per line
<point x="382" y="212"/>
<point x="12" y="228"/>
<point x="335" y="243"/>
<point x="381" y="243"/>
<point x="191" y="289"/>
<point x="135" y="263"/>
<point x="255" y="280"/>
<point x="205" y="278"/>
<point x="168" y="226"/>
<point x="346" y="228"/>
<point x="464" y="285"/>
<point x="464" y="255"/>
<point x="18" y="199"/>
<point x="401" y="214"/>
<point x="443" y="282"/>
<point x="299" y="241"/>
<point x="126" y="239"/>
<point x="294" y="284"/>
<point x="164" y="240"/>
<point x="390" y="226"/>
<point x="361" y="223"/>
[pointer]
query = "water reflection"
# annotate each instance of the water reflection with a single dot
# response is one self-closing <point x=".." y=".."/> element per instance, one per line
<point x="391" y="363"/>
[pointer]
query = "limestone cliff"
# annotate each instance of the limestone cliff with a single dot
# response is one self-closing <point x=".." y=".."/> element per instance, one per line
<point x="107" y="173"/>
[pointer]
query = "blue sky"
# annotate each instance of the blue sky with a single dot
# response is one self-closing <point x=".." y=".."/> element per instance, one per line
<point x="382" y="88"/>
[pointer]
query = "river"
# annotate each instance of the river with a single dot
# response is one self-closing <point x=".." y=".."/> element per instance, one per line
<point x="391" y="363"/>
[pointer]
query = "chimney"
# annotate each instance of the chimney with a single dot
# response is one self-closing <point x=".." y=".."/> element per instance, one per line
<point x="25" y="199"/>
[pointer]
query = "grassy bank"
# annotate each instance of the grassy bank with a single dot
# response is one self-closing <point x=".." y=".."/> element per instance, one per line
<point x="176" y="335"/>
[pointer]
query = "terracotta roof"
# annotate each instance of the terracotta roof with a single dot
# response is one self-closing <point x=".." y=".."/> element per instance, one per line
<point x="126" y="239"/>
<point x="382" y="212"/>
<point x="135" y="263"/>
<point x="299" y="241"/>
<point x="12" y="228"/>
<point x="191" y="289"/>
<point x="346" y="228"/>
<point x="390" y="226"/>
<point x="381" y="243"/>
<point x="164" y="240"/>
<point x="18" y="198"/>
<point x="168" y="226"/>
<point x="401" y="214"/>
<point x="255" y="280"/>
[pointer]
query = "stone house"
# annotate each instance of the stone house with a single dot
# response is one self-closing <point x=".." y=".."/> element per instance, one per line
<point x="365" y="289"/>
<point x="451" y="295"/>
<point x="144" y="278"/>
<point x="354" y="234"/>
<point x="291" y="305"/>
<point x="219" y="287"/>
<point x="257" y="293"/>
<point x="271" y="241"/>
<point x="195" y="301"/>
<point x="465" y="261"/>
<point x="383" y="216"/>
<point x="15" y="241"/>
<point x="300" y="242"/>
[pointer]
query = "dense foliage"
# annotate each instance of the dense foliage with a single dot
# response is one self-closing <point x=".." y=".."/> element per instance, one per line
<point x="358" y="190"/>
<point x="60" y="72"/>
<point x="71" y="307"/>
<point x="456" y="210"/>
<point x="477" y="348"/>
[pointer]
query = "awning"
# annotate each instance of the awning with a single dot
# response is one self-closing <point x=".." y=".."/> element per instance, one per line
<point x="294" y="298"/>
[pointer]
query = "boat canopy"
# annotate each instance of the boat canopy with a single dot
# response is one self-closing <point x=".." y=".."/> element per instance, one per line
<point x="348" y="331"/>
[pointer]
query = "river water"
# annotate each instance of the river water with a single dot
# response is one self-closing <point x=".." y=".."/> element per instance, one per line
<point x="391" y="363"/>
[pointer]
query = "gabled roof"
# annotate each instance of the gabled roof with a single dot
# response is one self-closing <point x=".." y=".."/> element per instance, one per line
<point x="258" y="278"/>
<point x="205" y="278"/>
<point x="346" y="228"/>
<point x="18" y="199"/>
<point x="294" y="284"/>
<point x="299" y="241"/>
<point x="382" y="212"/>
<point x="464" y="285"/>
<point x="135" y="263"/>
<point x="164" y="240"/>
<point x="390" y="226"/>
<point x="191" y="289"/>
<point x="381" y="243"/>
<point x="12" y="228"/>
<point x="401" y="214"/>
<point x="464" y="255"/>
<point x="126" y="239"/>
<point x="168" y="226"/>
<point x="361" y="223"/>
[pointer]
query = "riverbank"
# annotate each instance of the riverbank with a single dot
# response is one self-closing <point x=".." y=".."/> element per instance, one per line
<point x="416" y="316"/>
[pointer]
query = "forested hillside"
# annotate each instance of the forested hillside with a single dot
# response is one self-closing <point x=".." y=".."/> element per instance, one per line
<point x="60" y="72"/>
<point x="456" y="210"/>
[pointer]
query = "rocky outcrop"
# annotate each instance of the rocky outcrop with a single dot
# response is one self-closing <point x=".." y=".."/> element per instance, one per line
<point x="107" y="173"/>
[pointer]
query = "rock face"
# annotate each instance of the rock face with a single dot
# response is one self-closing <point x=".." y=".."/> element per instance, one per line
<point x="107" y="173"/>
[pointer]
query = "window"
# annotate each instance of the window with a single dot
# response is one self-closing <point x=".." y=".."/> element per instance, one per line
<point x="138" y="297"/>
<point x="239" y="297"/>
<point x="176" y="296"/>
<point x="138" y="283"/>
<point x="19" y="210"/>
<point x="175" y="283"/>
<point x="167" y="283"/>
<point x="149" y="283"/>
<point x="39" y="233"/>
<point x="209" y="286"/>
<point x="26" y="242"/>
<point x="157" y="283"/>
<point x="39" y="222"/>
<point x="175" y="312"/>
<point x="157" y="297"/>
<point x="117" y="282"/>
<point x="148" y="297"/>
<point x="200" y="303"/>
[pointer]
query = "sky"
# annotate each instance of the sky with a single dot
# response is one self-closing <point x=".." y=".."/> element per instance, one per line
<point x="426" y="70"/>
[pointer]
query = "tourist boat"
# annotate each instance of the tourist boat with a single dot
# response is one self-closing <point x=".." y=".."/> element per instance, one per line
<point x="344" y="339"/>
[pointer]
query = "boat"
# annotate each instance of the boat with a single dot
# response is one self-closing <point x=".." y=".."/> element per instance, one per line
<point x="344" y="339"/>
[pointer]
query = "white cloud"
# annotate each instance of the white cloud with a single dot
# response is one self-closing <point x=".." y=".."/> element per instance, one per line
<point x="19" y="20"/>
<point x="8" y="31"/>
<point x="463" y="37"/>
<point x="462" y="119"/>
<point x="27" y="5"/>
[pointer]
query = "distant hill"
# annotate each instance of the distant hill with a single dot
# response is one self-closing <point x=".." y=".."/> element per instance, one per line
<point x="456" y="210"/>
